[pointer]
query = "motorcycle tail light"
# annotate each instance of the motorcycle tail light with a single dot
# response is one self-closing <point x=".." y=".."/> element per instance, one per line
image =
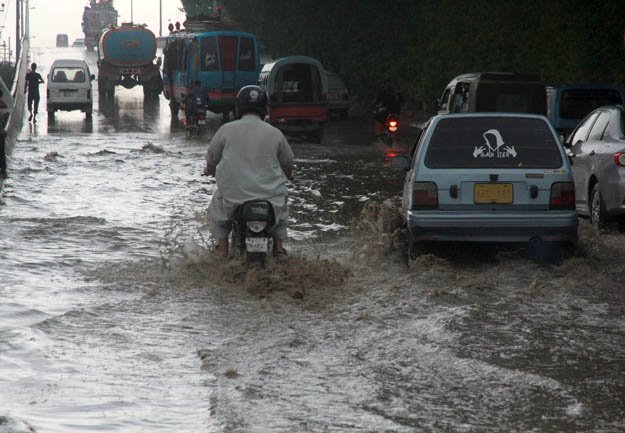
<point x="393" y="125"/>
<point x="619" y="159"/>
<point x="562" y="196"/>
<point x="256" y="226"/>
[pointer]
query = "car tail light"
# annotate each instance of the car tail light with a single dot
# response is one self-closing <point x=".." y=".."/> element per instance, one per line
<point x="619" y="159"/>
<point x="47" y="93"/>
<point x="424" y="195"/>
<point x="562" y="196"/>
<point x="88" y="94"/>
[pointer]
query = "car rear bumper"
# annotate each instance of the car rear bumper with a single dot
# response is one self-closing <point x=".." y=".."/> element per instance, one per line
<point x="69" y="106"/>
<point x="550" y="226"/>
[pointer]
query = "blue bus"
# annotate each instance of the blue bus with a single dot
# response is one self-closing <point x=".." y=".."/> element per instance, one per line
<point x="223" y="61"/>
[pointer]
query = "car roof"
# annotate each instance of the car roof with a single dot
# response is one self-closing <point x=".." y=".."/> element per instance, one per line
<point x="497" y="76"/>
<point x="489" y="114"/>
<point x="69" y="62"/>
<point x="585" y="86"/>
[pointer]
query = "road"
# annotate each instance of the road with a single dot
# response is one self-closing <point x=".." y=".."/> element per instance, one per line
<point x="114" y="317"/>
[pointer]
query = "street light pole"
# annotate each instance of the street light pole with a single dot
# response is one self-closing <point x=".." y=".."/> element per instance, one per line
<point x="160" y="17"/>
<point x="132" y="20"/>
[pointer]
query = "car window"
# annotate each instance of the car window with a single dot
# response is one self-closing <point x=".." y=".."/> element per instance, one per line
<point x="596" y="132"/>
<point x="577" y="103"/>
<point x="417" y="144"/>
<point x="444" y="100"/>
<point x="492" y="142"/>
<point x="68" y="74"/>
<point x="582" y="130"/>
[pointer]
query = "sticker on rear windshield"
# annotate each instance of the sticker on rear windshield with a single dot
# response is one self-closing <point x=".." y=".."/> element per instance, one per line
<point x="495" y="147"/>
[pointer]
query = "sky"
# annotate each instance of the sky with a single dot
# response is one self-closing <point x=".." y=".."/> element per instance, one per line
<point x="50" y="17"/>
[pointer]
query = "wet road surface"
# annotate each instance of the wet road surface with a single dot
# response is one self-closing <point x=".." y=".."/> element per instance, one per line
<point x="114" y="316"/>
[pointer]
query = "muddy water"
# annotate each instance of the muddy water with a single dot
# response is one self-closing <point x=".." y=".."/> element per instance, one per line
<point x="115" y="317"/>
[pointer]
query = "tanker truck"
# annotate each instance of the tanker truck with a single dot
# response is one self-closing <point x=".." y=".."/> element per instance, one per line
<point x="126" y="57"/>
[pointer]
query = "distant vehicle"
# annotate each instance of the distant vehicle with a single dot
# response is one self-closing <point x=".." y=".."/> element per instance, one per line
<point x="96" y="18"/>
<point x="490" y="177"/>
<point x="597" y="146"/>
<point x="338" y="96"/>
<point x="568" y="104"/>
<point x="494" y="92"/>
<point x="126" y="57"/>
<point x="69" y="87"/>
<point x="62" y="40"/>
<point x="223" y="61"/>
<point x="161" y="41"/>
<point x="297" y="87"/>
<point x="80" y="42"/>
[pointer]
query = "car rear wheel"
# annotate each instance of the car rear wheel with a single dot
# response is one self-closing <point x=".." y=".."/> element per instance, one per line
<point x="598" y="216"/>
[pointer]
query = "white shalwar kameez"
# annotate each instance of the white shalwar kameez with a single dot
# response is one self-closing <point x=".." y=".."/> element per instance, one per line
<point x="250" y="157"/>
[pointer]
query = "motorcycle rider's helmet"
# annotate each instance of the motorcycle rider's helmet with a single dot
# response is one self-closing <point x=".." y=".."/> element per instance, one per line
<point x="251" y="99"/>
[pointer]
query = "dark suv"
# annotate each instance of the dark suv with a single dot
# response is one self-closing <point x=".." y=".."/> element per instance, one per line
<point x="494" y="92"/>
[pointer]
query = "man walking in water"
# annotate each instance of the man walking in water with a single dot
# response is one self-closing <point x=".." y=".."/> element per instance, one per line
<point x="33" y="79"/>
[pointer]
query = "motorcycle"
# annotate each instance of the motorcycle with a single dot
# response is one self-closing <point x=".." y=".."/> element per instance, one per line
<point x="197" y="122"/>
<point x="250" y="231"/>
<point x="387" y="125"/>
<point x="391" y="128"/>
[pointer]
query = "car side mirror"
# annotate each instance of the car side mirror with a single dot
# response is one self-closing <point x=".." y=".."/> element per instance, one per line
<point x="92" y="76"/>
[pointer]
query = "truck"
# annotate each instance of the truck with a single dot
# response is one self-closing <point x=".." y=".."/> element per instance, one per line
<point x="95" y="18"/>
<point x="126" y="57"/>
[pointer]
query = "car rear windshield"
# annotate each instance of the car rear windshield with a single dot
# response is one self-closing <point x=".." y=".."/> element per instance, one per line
<point x="493" y="142"/>
<point x="511" y="97"/>
<point x="68" y="74"/>
<point x="577" y="103"/>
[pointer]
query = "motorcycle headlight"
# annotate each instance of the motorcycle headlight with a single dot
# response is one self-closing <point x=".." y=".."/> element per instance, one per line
<point x="256" y="226"/>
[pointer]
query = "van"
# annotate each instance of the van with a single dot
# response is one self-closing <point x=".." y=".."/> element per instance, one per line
<point x="69" y="87"/>
<point x="338" y="96"/>
<point x="62" y="40"/>
<point x="494" y="92"/>
<point x="568" y="104"/>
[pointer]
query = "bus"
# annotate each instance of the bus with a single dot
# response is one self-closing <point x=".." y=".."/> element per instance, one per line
<point x="222" y="60"/>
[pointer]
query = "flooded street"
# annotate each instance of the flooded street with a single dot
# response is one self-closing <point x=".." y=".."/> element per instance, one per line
<point x="114" y="317"/>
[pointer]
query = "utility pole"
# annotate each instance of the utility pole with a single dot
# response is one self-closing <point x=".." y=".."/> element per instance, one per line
<point x="160" y="17"/>
<point x="132" y="20"/>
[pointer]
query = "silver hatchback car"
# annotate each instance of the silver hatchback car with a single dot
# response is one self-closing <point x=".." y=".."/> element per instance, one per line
<point x="490" y="177"/>
<point x="598" y="149"/>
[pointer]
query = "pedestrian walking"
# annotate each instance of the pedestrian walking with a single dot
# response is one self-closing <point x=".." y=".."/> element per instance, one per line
<point x="33" y="80"/>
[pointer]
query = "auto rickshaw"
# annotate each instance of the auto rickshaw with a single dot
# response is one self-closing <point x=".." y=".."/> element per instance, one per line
<point x="297" y="88"/>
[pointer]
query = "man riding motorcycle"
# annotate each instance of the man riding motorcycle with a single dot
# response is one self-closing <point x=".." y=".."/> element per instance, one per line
<point x="250" y="159"/>
<point x="195" y="99"/>
<point x="388" y="101"/>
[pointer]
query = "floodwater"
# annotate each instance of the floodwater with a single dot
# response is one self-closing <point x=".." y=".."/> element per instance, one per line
<point x="115" y="318"/>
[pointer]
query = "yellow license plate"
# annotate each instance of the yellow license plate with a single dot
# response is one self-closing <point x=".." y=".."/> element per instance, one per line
<point x="492" y="193"/>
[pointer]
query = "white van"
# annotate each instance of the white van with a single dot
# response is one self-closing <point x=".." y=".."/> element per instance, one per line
<point x="69" y="87"/>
